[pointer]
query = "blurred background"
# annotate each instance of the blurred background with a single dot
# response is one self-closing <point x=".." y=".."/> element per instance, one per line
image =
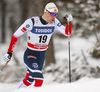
<point x="85" y="40"/>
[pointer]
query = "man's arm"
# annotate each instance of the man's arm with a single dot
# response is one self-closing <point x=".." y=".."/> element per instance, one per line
<point x="26" y="26"/>
<point x="62" y="29"/>
<point x="59" y="27"/>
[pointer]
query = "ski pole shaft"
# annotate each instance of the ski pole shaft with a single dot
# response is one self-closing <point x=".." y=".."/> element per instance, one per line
<point x="68" y="32"/>
<point x="4" y="66"/>
<point x="69" y="53"/>
<point x="69" y="64"/>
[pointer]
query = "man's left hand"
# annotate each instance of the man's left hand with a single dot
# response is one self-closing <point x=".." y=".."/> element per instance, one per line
<point x="69" y="17"/>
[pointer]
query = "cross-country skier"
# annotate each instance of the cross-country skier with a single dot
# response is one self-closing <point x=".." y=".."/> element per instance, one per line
<point x="39" y="31"/>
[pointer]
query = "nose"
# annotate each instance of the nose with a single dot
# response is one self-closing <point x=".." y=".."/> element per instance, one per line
<point x="54" y="16"/>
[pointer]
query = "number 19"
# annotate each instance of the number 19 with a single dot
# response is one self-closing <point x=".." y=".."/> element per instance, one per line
<point x="42" y="38"/>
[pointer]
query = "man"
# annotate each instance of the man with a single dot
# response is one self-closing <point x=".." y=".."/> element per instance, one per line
<point x="39" y="31"/>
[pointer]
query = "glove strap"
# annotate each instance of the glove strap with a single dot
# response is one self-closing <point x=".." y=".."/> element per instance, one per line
<point x="9" y="53"/>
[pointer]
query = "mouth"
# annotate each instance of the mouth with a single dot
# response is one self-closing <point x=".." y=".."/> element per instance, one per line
<point x="53" y="19"/>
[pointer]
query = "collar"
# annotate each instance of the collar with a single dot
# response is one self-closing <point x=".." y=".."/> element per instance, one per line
<point x="43" y="21"/>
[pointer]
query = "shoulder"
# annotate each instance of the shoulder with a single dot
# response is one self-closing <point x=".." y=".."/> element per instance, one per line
<point x="57" y="22"/>
<point x="34" y="18"/>
<point x="28" y="24"/>
<point x="28" y="21"/>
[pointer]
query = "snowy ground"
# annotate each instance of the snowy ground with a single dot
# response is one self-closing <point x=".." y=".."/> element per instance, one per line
<point x="89" y="86"/>
<point x="83" y="85"/>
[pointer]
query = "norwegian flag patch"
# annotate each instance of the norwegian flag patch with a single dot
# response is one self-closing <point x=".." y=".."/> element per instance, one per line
<point x="23" y="29"/>
<point x="55" y="10"/>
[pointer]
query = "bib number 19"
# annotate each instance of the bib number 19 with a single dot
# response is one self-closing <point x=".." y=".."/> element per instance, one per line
<point x="42" y="39"/>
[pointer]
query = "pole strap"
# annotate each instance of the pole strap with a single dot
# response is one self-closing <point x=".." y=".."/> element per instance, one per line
<point x="68" y="31"/>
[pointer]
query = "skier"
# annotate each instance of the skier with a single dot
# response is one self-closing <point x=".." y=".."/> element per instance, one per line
<point x="39" y="31"/>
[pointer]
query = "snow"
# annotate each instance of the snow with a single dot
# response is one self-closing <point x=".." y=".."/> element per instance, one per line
<point x="83" y="85"/>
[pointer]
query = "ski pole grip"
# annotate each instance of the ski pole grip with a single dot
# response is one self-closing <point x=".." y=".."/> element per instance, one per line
<point x="66" y="16"/>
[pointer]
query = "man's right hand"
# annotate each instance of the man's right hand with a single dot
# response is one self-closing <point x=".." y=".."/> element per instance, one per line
<point x="7" y="56"/>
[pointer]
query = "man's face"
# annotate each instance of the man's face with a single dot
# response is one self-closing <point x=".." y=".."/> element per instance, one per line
<point x="51" y="16"/>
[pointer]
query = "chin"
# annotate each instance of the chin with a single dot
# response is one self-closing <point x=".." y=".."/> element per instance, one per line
<point x="52" y="20"/>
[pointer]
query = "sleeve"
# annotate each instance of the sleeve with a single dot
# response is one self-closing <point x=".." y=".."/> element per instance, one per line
<point x="26" y="26"/>
<point x="59" y="27"/>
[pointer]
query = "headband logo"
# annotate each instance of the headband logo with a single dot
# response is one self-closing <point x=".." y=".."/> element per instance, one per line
<point x="55" y="9"/>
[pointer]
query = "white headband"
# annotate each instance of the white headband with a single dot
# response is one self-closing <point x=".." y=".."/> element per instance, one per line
<point x="51" y="7"/>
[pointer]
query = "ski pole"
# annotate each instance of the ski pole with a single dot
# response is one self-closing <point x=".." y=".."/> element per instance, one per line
<point x="69" y="54"/>
<point x="68" y="32"/>
<point x="4" y="66"/>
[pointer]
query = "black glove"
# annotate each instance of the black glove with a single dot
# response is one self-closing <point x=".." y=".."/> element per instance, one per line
<point x="7" y="56"/>
<point x="68" y="17"/>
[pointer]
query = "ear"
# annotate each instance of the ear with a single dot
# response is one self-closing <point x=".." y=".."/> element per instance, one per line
<point x="46" y="12"/>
